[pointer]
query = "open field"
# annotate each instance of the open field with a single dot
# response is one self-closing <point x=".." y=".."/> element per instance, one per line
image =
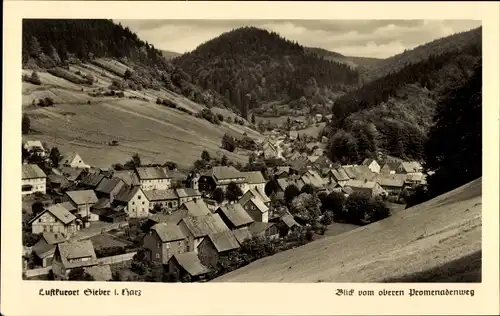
<point x="158" y="133"/>
<point x="439" y="240"/>
<point x="313" y="131"/>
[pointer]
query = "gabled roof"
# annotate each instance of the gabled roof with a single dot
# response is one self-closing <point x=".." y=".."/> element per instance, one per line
<point x="390" y="182"/>
<point x="360" y="184"/>
<point x="82" y="196"/>
<point x="69" y="157"/>
<point x="32" y="171"/>
<point x="160" y="195"/>
<point x="201" y="226"/>
<point x="71" y="173"/>
<point x="411" y="166"/>
<point x="107" y="185"/>
<point x="339" y="174"/>
<point x="323" y="161"/>
<point x="236" y="214"/>
<point x="260" y="205"/>
<point x="43" y="249"/>
<point x="190" y="262"/>
<point x="54" y="238"/>
<point x="102" y="203"/>
<point x="289" y="220"/>
<point x="187" y="192"/>
<point x="77" y="249"/>
<point x="392" y="165"/>
<point x="92" y="179"/>
<point x="255" y="193"/>
<point x="259" y="227"/>
<point x="176" y="175"/>
<point x="299" y="164"/>
<point x="224" y="241"/>
<point x="368" y="161"/>
<point x="128" y="176"/>
<point x="254" y="177"/>
<point x="127" y="193"/>
<point x="168" y="232"/>
<point x="151" y="173"/>
<point x="33" y="144"/>
<point x="196" y="208"/>
<point x="224" y="173"/>
<point x="58" y="212"/>
<point x="242" y="234"/>
<point x="313" y="178"/>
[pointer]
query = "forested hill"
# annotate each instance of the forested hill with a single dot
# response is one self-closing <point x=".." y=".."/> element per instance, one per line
<point x="337" y="57"/>
<point x="250" y="66"/>
<point x="393" y="114"/>
<point x="50" y="43"/>
<point x="439" y="46"/>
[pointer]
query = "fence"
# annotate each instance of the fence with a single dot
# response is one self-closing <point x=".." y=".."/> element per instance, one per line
<point x="117" y="258"/>
<point x="37" y="272"/>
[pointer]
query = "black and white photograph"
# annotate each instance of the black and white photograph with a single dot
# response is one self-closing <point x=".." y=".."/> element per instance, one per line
<point x="251" y="150"/>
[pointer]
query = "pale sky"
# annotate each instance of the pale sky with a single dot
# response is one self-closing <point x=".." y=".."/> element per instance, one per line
<point x="366" y="38"/>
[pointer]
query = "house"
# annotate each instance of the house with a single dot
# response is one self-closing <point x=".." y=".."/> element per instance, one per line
<point x="166" y="199"/>
<point x="215" y="246"/>
<point x="177" y="177"/>
<point x="256" y="208"/>
<point x="415" y="178"/>
<point x="356" y="172"/>
<point x="129" y="177"/>
<point x="269" y="150"/>
<point x="73" y="254"/>
<point x="391" y="184"/>
<point x="45" y="248"/>
<point x="323" y="162"/>
<point x="111" y="215"/>
<point x="300" y="165"/>
<point x="33" y="180"/>
<point x="242" y="235"/>
<point x="195" y="208"/>
<point x="35" y="146"/>
<point x="109" y="188"/>
<point x="372" y="164"/>
<point x="90" y="181"/>
<point x="390" y="167"/>
<point x="57" y="182"/>
<point x="73" y="174"/>
<point x="313" y="178"/>
<point x="54" y="219"/>
<point x="220" y="177"/>
<point x="266" y="230"/>
<point x="371" y="188"/>
<point x="82" y="200"/>
<point x="293" y="135"/>
<point x="195" y="228"/>
<point x="255" y="179"/>
<point x="187" y="266"/>
<point x="163" y="241"/>
<point x="73" y="160"/>
<point x="287" y="224"/>
<point x="187" y="194"/>
<point x="153" y="178"/>
<point x="409" y="168"/>
<point x="255" y="193"/>
<point x="281" y="172"/>
<point x="134" y="201"/>
<point x="234" y="216"/>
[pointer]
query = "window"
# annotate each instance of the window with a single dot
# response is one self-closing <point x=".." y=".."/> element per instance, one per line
<point x="157" y="256"/>
<point x="142" y="203"/>
<point x="168" y="245"/>
<point x="138" y="197"/>
<point x="158" y="244"/>
<point x="133" y="203"/>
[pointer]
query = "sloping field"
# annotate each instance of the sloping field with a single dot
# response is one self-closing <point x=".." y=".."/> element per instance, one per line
<point x="158" y="133"/>
<point x="439" y="240"/>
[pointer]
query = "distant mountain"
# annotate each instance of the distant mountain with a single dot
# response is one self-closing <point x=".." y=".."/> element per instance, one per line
<point x="169" y="55"/>
<point x="336" y="57"/>
<point x="250" y="66"/>
<point x="420" y="53"/>
<point x="394" y="111"/>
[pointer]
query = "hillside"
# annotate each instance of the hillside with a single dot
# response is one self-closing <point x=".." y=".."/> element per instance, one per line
<point x="394" y="113"/>
<point x="249" y="66"/>
<point x="169" y="55"/>
<point x="437" y="241"/>
<point x="439" y="46"/>
<point x="355" y="62"/>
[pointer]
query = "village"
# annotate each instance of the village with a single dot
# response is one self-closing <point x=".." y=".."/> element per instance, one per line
<point x="86" y="223"/>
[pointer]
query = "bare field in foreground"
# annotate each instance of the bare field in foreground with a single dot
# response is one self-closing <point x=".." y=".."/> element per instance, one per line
<point x="439" y="240"/>
<point x="158" y="133"/>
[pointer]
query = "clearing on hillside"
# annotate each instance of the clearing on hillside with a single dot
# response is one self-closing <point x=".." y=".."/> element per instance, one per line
<point x="439" y="240"/>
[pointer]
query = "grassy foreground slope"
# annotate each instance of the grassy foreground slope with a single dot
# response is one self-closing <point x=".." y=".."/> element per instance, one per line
<point x="158" y="133"/>
<point x="439" y="240"/>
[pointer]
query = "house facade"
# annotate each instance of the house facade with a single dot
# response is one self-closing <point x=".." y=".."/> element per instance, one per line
<point x="372" y="164"/>
<point x="72" y="254"/>
<point x="166" y="199"/>
<point x="221" y="177"/>
<point x="187" y="266"/>
<point x="215" y="246"/>
<point x="255" y="180"/>
<point x="195" y="228"/>
<point x="163" y="241"/>
<point x="74" y="160"/>
<point x="33" y="180"/>
<point x="54" y="219"/>
<point x="83" y="200"/>
<point x="135" y="202"/>
<point x="187" y="195"/>
<point x="153" y="178"/>
<point x="257" y="210"/>
<point x="370" y="188"/>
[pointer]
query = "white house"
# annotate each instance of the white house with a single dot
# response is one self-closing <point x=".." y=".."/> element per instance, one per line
<point x="153" y="178"/>
<point x="255" y="180"/>
<point x="35" y="146"/>
<point x="372" y="164"/>
<point x="33" y="180"/>
<point x="73" y="160"/>
<point x="54" y="219"/>
<point x="135" y="202"/>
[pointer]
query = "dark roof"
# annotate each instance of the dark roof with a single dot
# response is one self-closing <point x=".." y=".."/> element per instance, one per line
<point x="75" y="250"/>
<point x="176" y="175"/>
<point x="368" y="161"/>
<point x="58" y="212"/>
<point x="71" y="173"/>
<point x="236" y="214"/>
<point x="108" y="185"/>
<point x="196" y="208"/>
<point x="82" y="196"/>
<point x="32" y="171"/>
<point x="242" y="234"/>
<point x="160" y="195"/>
<point x="392" y="165"/>
<point x="190" y="262"/>
<point x="127" y="193"/>
<point x="43" y="249"/>
<point x="224" y="241"/>
<point x="92" y="179"/>
<point x="254" y="177"/>
<point x="102" y="203"/>
<point x="201" y="226"/>
<point x="187" y="192"/>
<point x="128" y="176"/>
<point x="151" y="173"/>
<point x="224" y="173"/>
<point x="54" y="238"/>
<point x="258" y="227"/>
<point x="339" y="174"/>
<point x="168" y="232"/>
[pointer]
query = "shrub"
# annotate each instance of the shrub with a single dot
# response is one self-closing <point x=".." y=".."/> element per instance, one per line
<point x="109" y="251"/>
<point x="66" y="74"/>
<point x="220" y="117"/>
<point x="34" y="78"/>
